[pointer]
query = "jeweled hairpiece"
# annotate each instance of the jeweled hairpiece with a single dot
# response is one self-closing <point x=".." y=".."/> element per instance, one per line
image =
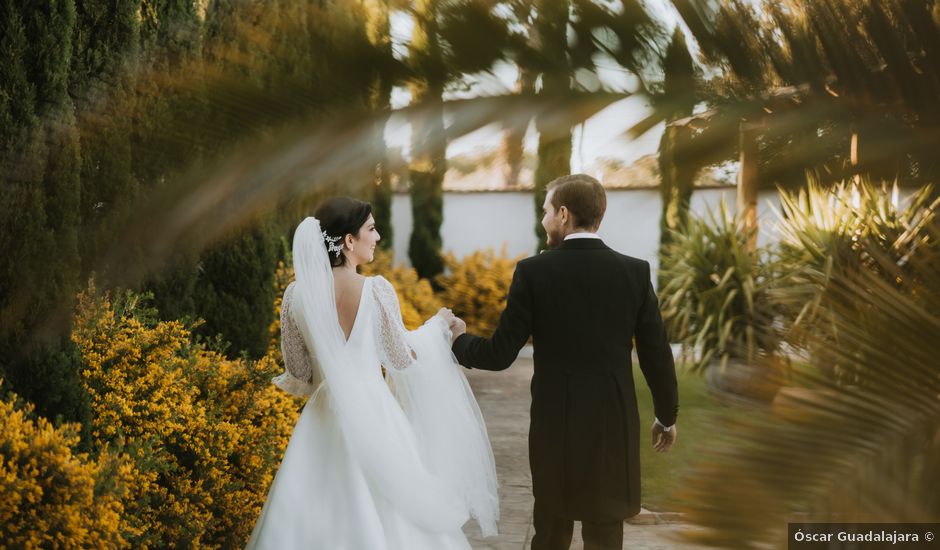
<point x="331" y="245"/>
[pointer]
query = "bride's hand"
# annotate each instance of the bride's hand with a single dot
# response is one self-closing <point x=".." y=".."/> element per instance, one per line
<point x="447" y="315"/>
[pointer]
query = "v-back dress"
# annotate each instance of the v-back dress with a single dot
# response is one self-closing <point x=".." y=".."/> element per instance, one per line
<point x="320" y="497"/>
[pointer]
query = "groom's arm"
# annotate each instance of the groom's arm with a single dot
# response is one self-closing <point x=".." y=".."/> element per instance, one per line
<point x="656" y="361"/>
<point x="515" y="325"/>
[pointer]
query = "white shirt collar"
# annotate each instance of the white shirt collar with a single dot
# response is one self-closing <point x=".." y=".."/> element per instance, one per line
<point x="582" y="236"/>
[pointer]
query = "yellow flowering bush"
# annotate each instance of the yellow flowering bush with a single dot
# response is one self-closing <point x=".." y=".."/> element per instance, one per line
<point x="185" y="442"/>
<point x="51" y="495"/>
<point x="204" y="433"/>
<point x="418" y="301"/>
<point x="475" y="288"/>
<point x="283" y="277"/>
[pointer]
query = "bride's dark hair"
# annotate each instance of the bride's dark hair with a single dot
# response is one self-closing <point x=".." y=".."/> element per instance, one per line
<point x="341" y="216"/>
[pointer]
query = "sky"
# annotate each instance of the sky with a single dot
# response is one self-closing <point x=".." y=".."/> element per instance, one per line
<point x="603" y="135"/>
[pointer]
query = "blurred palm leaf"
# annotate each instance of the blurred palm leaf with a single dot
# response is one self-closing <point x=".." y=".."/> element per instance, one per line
<point x="866" y="451"/>
<point x="827" y="232"/>
<point x="819" y="76"/>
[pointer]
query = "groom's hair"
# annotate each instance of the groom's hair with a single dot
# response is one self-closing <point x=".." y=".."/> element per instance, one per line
<point x="583" y="196"/>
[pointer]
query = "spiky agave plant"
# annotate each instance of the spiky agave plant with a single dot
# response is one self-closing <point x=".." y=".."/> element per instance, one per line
<point x="830" y="230"/>
<point x="863" y="452"/>
<point x="715" y="298"/>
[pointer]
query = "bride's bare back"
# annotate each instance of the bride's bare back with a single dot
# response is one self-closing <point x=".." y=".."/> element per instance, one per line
<point x="348" y="288"/>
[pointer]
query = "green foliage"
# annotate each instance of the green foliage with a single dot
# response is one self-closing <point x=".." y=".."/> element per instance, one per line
<point x="427" y="204"/>
<point x="677" y="181"/>
<point x="554" y="156"/>
<point x="40" y="155"/>
<point x="235" y="290"/>
<point x="381" y="202"/>
<point x="377" y="14"/>
<point x="475" y="35"/>
<point x="174" y="290"/>
<point x="828" y="234"/>
<point x="101" y="80"/>
<point x="875" y="445"/>
<point x="716" y="298"/>
<point x="824" y="72"/>
<point x="677" y="174"/>
<point x="429" y="143"/>
<point x="554" y="148"/>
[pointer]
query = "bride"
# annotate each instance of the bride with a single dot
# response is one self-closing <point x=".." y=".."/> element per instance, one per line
<point x="375" y="462"/>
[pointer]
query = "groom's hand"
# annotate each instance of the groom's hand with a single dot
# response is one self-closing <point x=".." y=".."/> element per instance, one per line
<point x="663" y="440"/>
<point x="457" y="327"/>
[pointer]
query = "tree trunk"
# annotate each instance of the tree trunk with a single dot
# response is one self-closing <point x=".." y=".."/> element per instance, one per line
<point x="747" y="182"/>
<point x="554" y="152"/>
<point x="378" y="30"/>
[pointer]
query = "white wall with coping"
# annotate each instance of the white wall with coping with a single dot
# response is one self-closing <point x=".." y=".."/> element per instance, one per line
<point x="474" y="221"/>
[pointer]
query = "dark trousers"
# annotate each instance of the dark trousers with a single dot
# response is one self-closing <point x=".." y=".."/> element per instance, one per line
<point x="554" y="533"/>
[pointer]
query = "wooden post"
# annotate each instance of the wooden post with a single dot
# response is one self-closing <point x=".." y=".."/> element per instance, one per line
<point x="747" y="181"/>
<point x="853" y="158"/>
<point x="853" y="150"/>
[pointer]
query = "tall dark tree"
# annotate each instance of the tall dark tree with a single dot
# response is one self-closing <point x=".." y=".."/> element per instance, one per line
<point x="40" y="158"/>
<point x="429" y="144"/>
<point x="101" y="80"/>
<point x="164" y="136"/>
<point x="554" y="149"/>
<point x="514" y="134"/>
<point x="235" y="291"/>
<point x="677" y="173"/>
<point x="378" y="30"/>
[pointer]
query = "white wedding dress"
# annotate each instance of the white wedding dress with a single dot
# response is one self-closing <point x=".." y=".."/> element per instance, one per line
<point x="395" y="462"/>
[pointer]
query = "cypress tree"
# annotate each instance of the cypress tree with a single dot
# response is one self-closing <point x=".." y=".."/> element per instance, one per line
<point x="554" y="149"/>
<point x="40" y="201"/>
<point x="164" y="137"/>
<point x="378" y="30"/>
<point x="429" y="145"/>
<point x="235" y="292"/>
<point x="677" y="177"/>
<point x="101" y="81"/>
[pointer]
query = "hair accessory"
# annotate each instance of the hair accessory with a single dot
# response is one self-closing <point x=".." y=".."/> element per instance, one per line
<point x="331" y="244"/>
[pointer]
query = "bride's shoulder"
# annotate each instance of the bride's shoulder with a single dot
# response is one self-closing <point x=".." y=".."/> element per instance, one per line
<point x="286" y="300"/>
<point x="289" y="290"/>
<point x="380" y="285"/>
<point x="378" y="280"/>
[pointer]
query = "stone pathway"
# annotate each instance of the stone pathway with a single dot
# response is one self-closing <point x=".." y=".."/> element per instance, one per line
<point x="504" y="398"/>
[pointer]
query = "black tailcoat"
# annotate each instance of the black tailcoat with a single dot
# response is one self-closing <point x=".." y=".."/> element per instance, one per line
<point x="584" y="305"/>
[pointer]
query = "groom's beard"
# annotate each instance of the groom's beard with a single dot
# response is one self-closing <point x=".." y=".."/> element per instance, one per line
<point x="554" y="238"/>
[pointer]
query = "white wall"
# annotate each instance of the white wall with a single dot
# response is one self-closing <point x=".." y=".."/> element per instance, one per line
<point x="474" y="221"/>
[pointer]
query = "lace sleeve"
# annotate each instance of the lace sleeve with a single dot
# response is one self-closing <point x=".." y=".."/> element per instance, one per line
<point x="394" y="350"/>
<point x="299" y="376"/>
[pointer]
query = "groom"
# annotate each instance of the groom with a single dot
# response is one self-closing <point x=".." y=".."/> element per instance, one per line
<point x="585" y="306"/>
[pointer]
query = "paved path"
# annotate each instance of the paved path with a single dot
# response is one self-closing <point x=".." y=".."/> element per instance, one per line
<point x="504" y="398"/>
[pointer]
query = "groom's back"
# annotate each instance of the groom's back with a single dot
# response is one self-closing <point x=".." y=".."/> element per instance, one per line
<point x="586" y="299"/>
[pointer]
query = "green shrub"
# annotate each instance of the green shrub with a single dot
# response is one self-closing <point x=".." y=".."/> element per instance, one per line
<point x="716" y="299"/>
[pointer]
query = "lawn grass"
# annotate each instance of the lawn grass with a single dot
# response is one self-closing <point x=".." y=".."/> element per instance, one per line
<point x="662" y="473"/>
